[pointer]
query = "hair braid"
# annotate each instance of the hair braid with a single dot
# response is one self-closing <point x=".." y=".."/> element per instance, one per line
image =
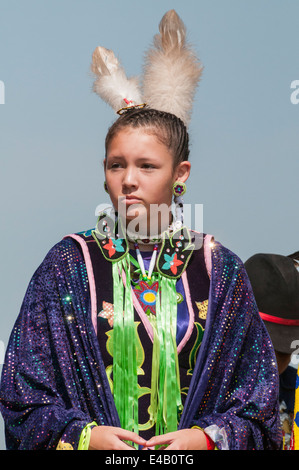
<point x="168" y="128"/>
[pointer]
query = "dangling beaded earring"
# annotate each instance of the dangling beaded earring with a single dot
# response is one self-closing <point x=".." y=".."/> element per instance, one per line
<point x="106" y="187"/>
<point x="178" y="190"/>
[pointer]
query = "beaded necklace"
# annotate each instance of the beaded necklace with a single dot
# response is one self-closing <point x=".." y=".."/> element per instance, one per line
<point x="147" y="276"/>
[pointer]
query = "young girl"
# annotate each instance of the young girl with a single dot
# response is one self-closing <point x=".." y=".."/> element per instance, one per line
<point x="141" y="332"/>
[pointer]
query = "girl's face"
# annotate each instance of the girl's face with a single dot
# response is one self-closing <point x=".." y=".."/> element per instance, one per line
<point x="139" y="175"/>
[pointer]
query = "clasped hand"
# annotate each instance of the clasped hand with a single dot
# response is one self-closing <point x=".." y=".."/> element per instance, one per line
<point x="112" y="438"/>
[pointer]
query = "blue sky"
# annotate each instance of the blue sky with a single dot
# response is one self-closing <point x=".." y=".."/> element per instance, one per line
<point x="244" y="129"/>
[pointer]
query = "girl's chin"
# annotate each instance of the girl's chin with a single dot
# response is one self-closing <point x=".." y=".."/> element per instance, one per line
<point x="140" y="224"/>
<point x="130" y="213"/>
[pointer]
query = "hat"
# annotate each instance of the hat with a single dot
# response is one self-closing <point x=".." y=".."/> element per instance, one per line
<point x="275" y="283"/>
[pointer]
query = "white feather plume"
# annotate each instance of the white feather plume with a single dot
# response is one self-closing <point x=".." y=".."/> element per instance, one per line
<point x="111" y="82"/>
<point x="172" y="70"/>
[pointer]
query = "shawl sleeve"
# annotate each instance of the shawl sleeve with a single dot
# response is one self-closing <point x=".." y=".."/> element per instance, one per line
<point x="45" y="383"/>
<point x="235" y="386"/>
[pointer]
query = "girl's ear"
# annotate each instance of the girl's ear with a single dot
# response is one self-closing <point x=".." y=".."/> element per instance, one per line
<point x="182" y="171"/>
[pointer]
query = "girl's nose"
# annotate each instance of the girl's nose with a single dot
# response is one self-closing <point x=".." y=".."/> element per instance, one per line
<point x="130" y="178"/>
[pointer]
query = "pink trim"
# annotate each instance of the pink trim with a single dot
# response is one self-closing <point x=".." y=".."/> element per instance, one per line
<point x="92" y="287"/>
<point x="140" y="311"/>
<point x="207" y="253"/>
<point x="190" y="310"/>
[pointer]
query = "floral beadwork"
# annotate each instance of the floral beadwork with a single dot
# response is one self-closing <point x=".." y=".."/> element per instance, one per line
<point x="175" y="253"/>
<point x="113" y="246"/>
<point x="171" y="262"/>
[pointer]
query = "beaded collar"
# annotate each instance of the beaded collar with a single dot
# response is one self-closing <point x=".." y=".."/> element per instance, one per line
<point x="173" y="257"/>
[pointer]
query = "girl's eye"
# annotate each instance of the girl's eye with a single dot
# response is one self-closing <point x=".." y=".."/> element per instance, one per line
<point x="115" y="165"/>
<point x="148" y="166"/>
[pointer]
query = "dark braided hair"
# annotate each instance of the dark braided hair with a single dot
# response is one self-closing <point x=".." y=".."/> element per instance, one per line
<point x="168" y="128"/>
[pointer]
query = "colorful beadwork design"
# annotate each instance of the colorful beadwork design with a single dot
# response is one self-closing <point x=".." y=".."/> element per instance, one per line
<point x="146" y="294"/>
<point x="172" y="262"/>
<point x="179" y="188"/>
<point x="106" y="234"/>
<point x="113" y="246"/>
<point x="175" y="253"/>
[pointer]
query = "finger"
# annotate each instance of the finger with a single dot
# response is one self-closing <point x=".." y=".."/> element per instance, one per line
<point x="125" y="435"/>
<point x="160" y="440"/>
<point x="121" y="445"/>
<point x="171" y="446"/>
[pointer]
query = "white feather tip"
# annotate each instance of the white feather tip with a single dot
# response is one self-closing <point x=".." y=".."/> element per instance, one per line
<point x="111" y="82"/>
<point x="172" y="70"/>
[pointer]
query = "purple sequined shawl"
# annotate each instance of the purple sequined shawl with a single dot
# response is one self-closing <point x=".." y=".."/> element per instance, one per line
<point x="54" y="381"/>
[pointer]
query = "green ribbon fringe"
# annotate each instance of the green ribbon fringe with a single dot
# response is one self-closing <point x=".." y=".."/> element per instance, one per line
<point x="165" y="381"/>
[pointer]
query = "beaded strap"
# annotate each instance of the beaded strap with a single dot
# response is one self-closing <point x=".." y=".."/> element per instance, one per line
<point x="85" y="436"/>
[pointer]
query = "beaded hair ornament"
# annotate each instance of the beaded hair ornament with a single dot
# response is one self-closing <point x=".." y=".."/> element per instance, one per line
<point x="171" y="74"/>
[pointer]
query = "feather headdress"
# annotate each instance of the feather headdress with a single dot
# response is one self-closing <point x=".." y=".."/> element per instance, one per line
<point x="111" y="82"/>
<point x="171" y="73"/>
<point x="172" y="70"/>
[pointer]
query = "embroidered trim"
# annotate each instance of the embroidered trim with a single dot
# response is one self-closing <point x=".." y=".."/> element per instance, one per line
<point x="112" y="247"/>
<point x="85" y="436"/>
<point x="172" y="260"/>
<point x="175" y="253"/>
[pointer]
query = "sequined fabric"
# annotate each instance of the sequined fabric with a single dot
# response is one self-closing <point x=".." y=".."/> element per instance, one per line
<point x="235" y="382"/>
<point x="54" y="381"/>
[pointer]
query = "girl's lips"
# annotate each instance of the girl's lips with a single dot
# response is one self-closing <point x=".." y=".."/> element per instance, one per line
<point x="131" y="200"/>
